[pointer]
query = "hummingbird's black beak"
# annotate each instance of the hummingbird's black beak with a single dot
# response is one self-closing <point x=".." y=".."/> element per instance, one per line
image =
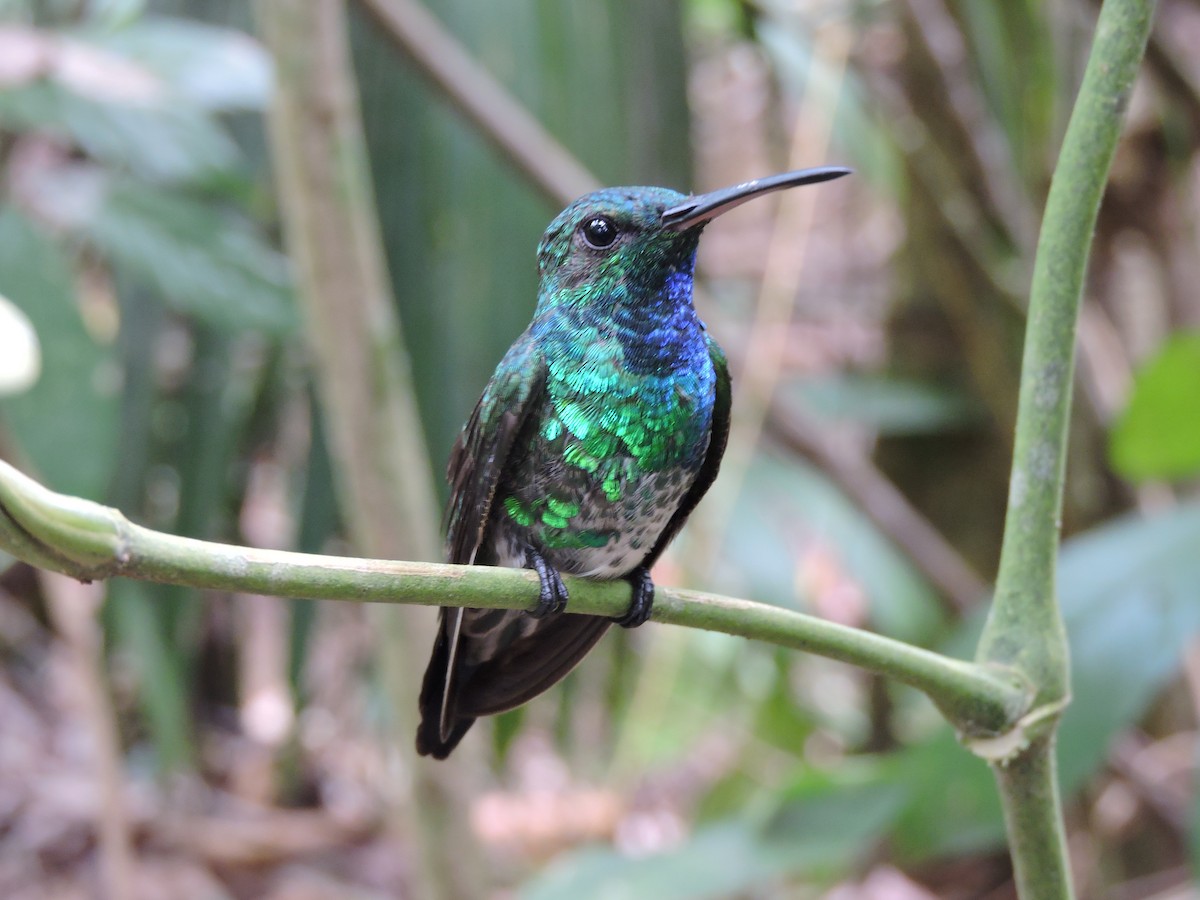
<point x="702" y="208"/>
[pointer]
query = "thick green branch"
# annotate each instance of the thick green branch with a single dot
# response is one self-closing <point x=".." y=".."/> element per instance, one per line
<point x="1025" y="628"/>
<point x="90" y="541"/>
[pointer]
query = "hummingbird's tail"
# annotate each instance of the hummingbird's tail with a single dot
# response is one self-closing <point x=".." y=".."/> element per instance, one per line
<point x="431" y="743"/>
<point x="441" y="729"/>
<point x="488" y="661"/>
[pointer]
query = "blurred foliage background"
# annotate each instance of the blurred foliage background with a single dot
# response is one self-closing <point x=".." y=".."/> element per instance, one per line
<point x="153" y="357"/>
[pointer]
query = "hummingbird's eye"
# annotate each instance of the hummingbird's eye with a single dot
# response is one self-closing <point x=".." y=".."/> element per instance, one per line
<point x="599" y="232"/>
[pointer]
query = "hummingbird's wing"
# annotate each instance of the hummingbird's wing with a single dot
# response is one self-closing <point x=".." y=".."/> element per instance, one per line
<point x="485" y="661"/>
<point x="476" y="465"/>
<point x="481" y="453"/>
<point x="718" y="437"/>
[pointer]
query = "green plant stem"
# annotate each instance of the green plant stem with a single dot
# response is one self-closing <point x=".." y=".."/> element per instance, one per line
<point x="90" y="541"/>
<point x="1028" y="787"/>
<point x="1025" y="628"/>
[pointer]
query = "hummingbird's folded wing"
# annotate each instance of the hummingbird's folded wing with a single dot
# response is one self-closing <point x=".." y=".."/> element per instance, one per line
<point x="477" y="464"/>
<point x="478" y="459"/>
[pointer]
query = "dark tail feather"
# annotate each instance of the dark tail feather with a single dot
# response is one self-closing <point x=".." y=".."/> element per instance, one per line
<point x="530" y="665"/>
<point x="515" y="670"/>
<point x="430" y="739"/>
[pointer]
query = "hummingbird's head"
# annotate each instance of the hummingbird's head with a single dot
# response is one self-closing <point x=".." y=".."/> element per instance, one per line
<point x="621" y="245"/>
<point x="614" y="238"/>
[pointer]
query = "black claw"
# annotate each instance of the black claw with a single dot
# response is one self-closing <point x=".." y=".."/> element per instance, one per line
<point x="552" y="594"/>
<point x="643" y="599"/>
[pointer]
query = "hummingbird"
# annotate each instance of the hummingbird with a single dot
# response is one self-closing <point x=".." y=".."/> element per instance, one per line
<point x="600" y="430"/>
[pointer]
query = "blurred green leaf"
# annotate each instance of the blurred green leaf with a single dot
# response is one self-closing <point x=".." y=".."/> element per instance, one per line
<point x="954" y="806"/>
<point x="891" y="406"/>
<point x="136" y="614"/>
<point x="730" y="796"/>
<point x="204" y="260"/>
<point x="717" y="861"/>
<point x="780" y="719"/>
<point x="214" y="68"/>
<point x="1158" y="436"/>
<point x="505" y="728"/>
<point x="1000" y="69"/>
<point x="1130" y="593"/>
<point x="789" y="516"/>
<point x="830" y="821"/>
<point x="113" y="13"/>
<point x="684" y="687"/>
<point x="66" y="424"/>
<point x="1014" y="49"/>
<point x="318" y="522"/>
<point x="165" y="139"/>
<point x="822" y="829"/>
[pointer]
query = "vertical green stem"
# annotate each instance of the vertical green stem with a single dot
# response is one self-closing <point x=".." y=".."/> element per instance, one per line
<point x="1025" y="628"/>
<point x="1033" y="816"/>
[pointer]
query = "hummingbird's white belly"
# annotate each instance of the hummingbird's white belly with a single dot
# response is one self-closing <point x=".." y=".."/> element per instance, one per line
<point x="632" y="525"/>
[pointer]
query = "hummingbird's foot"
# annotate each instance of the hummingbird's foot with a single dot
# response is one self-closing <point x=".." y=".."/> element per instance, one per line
<point x="643" y="599"/>
<point x="552" y="597"/>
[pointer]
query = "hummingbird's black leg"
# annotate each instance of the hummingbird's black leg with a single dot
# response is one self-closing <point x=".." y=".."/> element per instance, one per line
<point x="643" y="598"/>
<point x="552" y="597"/>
